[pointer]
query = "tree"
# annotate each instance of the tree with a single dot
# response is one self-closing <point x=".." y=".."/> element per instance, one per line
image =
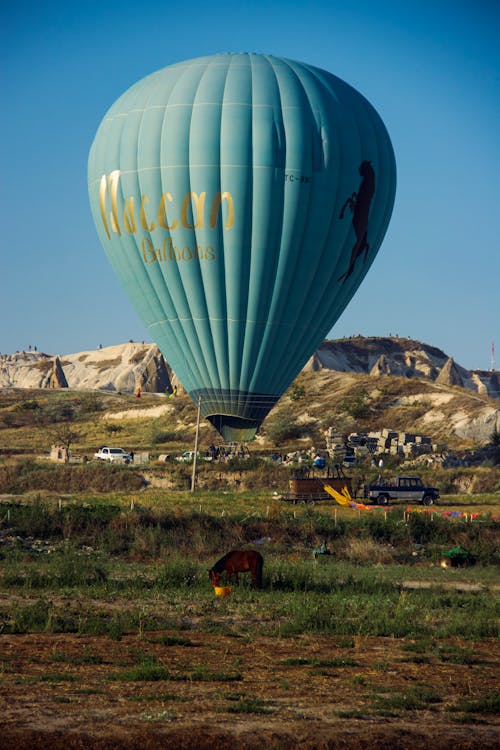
<point x="65" y="435"/>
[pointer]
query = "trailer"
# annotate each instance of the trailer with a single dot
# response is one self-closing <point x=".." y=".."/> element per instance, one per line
<point x="304" y="488"/>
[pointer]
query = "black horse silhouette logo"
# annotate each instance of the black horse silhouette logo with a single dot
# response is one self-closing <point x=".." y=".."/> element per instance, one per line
<point x="359" y="205"/>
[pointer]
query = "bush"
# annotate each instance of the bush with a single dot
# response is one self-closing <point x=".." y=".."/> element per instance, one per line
<point x="162" y="436"/>
<point x="90" y="403"/>
<point x="297" y="392"/>
<point x="27" y="405"/>
<point x="40" y="520"/>
<point x="28" y="475"/>
<point x="283" y="426"/>
<point x="356" y="405"/>
<point x="111" y="428"/>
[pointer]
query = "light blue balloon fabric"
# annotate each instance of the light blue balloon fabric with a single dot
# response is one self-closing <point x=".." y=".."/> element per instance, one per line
<point x="240" y="199"/>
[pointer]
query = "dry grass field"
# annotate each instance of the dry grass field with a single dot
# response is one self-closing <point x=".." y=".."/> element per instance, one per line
<point x="199" y="690"/>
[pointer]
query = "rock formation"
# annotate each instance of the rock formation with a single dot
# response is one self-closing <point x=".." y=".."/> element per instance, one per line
<point x="450" y="374"/>
<point x="154" y="375"/>
<point x="381" y="367"/>
<point x="124" y="366"/>
<point x="56" y="377"/>
<point x="404" y="358"/>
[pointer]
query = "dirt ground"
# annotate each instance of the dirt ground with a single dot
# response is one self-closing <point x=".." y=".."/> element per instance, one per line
<point x="58" y="692"/>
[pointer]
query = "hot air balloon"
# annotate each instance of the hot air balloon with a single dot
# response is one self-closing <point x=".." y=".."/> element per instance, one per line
<point x="241" y="199"/>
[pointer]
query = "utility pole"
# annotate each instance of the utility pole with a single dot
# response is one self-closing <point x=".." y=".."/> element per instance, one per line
<point x="193" y="478"/>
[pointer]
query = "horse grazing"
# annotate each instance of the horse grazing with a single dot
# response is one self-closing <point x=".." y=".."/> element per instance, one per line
<point x="238" y="561"/>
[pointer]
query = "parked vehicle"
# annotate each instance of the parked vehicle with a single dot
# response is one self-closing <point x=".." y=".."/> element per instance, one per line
<point x="113" y="455"/>
<point x="407" y="489"/>
<point x="188" y="456"/>
<point x="304" y="488"/>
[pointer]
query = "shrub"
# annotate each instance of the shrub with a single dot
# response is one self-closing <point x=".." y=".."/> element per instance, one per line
<point x="297" y="392"/>
<point x="28" y="475"/>
<point x="90" y="403"/>
<point x="57" y="412"/>
<point x="483" y="704"/>
<point x="495" y="436"/>
<point x="356" y="405"/>
<point x="111" y="428"/>
<point x="283" y="426"/>
<point x="29" y="405"/>
<point x="74" y="569"/>
<point x="162" y="436"/>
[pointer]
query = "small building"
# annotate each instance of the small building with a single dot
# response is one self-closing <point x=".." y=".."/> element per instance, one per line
<point x="59" y="454"/>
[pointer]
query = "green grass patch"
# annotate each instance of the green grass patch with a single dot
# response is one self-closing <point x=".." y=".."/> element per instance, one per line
<point x="143" y="673"/>
<point x="154" y="560"/>
<point x="159" y="697"/>
<point x="299" y="661"/>
<point x="245" y="705"/>
<point x="352" y="714"/>
<point x="428" y="650"/>
<point x="85" y="657"/>
<point x="415" y="698"/>
<point x="202" y="674"/>
<point x="483" y="704"/>
<point x="172" y="640"/>
<point x="57" y="677"/>
<point x="151" y="671"/>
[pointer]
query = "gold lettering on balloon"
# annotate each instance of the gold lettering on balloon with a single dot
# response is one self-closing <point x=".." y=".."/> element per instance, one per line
<point x="192" y="213"/>
<point x="162" y="213"/>
<point x="176" y="254"/>
<point x="144" y="221"/>
<point x="128" y="216"/>
<point x="110" y="183"/>
<point x="197" y="203"/>
<point x="148" y="251"/>
<point x="215" y="209"/>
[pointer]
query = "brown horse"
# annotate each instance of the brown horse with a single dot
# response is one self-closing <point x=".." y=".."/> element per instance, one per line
<point x="238" y="561"/>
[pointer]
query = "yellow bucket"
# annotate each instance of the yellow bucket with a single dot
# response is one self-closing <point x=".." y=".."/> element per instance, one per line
<point x="222" y="591"/>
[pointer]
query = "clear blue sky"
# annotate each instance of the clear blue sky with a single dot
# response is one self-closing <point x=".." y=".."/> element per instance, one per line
<point x="430" y="67"/>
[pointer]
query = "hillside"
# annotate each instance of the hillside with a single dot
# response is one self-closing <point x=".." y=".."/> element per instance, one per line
<point x="352" y="401"/>
<point x="123" y="367"/>
<point x="349" y="384"/>
<point x="403" y="357"/>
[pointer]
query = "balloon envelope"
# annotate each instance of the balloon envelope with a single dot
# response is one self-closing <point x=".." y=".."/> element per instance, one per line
<point x="240" y="199"/>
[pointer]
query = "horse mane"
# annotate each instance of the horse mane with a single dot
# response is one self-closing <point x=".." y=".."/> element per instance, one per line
<point x="219" y="565"/>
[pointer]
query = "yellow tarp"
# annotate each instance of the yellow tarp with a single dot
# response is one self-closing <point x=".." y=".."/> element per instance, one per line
<point x="343" y="497"/>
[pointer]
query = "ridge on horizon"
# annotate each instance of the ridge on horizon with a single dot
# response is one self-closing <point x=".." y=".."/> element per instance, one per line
<point x="122" y="366"/>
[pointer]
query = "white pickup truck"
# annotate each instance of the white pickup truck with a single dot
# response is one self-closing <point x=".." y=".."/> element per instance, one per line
<point x="188" y="456"/>
<point x="113" y="455"/>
